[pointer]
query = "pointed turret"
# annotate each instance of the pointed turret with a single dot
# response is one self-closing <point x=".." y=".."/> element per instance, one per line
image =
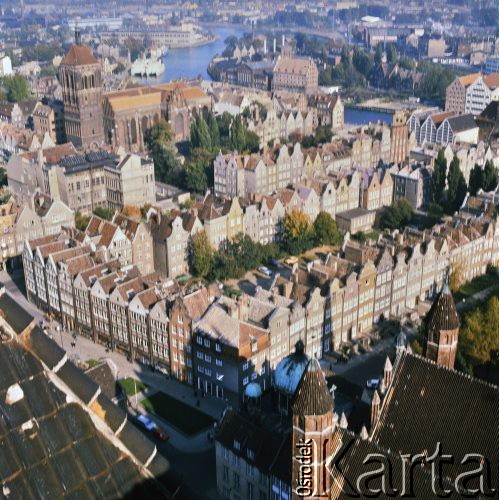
<point x="442" y="329"/>
<point x="312" y="396"/>
<point x="375" y="408"/>
<point x="313" y="426"/>
<point x="363" y="433"/>
<point x="387" y="373"/>
<point x="343" y="421"/>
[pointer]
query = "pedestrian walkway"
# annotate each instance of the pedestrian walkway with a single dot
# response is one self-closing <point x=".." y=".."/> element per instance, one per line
<point x="82" y="349"/>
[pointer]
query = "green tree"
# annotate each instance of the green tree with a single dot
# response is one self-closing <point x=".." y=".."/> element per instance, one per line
<point x="237" y="135"/>
<point x="326" y="231"/>
<point x="476" y="179"/>
<point x="199" y="170"/>
<point x="346" y="58"/>
<point x="438" y="177"/>
<point x="378" y="54"/>
<point x="3" y="177"/>
<point x="456" y="187"/>
<point x="479" y="336"/>
<point x="200" y="134"/>
<point x="104" y="213"/>
<point x="212" y="124"/>
<point x="397" y="215"/>
<point x="16" y="87"/>
<point x="391" y="54"/>
<point x="159" y="140"/>
<point x="297" y="232"/>
<point x="252" y="142"/>
<point x="361" y="61"/>
<point x="201" y="255"/>
<point x="489" y="176"/>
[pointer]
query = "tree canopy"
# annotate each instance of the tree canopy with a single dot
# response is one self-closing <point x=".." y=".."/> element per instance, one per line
<point x="397" y="215"/>
<point x="456" y="187"/>
<point x="479" y="335"/>
<point x="438" y="177"/>
<point x="325" y="230"/>
<point x="16" y="87"/>
<point x="297" y="232"/>
<point x="201" y="255"/>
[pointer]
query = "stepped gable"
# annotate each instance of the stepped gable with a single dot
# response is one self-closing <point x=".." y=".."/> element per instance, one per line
<point x="443" y="314"/>
<point x="312" y="396"/>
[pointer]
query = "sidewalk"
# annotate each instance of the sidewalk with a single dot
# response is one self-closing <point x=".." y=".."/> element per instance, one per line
<point x="86" y="349"/>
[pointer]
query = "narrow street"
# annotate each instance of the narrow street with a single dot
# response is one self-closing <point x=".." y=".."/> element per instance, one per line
<point x="192" y="458"/>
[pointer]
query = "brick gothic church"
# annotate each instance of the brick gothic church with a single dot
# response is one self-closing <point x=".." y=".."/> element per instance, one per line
<point x="81" y="80"/>
<point x="421" y="408"/>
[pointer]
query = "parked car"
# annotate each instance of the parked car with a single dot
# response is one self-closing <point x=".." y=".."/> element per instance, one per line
<point x="265" y="270"/>
<point x="161" y="434"/>
<point x="291" y="261"/>
<point x="146" y="423"/>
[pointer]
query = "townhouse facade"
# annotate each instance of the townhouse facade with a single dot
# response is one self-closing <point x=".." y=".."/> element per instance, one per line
<point x="472" y="93"/>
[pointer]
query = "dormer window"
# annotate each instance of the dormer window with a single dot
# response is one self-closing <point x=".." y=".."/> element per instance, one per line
<point x="237" y="445"/>
<point x="250" y="454"/>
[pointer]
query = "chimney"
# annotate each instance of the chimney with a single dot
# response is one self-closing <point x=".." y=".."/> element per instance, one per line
<point x="283" y="41"/>
<point x="275" y="46"/>
<point x="265" y="46"/>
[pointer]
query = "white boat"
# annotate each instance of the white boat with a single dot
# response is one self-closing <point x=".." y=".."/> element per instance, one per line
<point x="149" y="65"/>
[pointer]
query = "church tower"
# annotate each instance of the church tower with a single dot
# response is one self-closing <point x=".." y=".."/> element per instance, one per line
<point x="80" y="75"/>
<point x="442" y="329"/>
<point x="312" y="435"/>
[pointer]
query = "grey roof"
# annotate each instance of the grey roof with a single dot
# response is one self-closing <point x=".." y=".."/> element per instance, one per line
<point x="17" y="317"/>
<point x="289" y="370"/>
<point x="49" y="447"/>
<point x="460" y="123"/>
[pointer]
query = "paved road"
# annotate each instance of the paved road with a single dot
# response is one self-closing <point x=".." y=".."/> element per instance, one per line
<point x="193" y="459"/>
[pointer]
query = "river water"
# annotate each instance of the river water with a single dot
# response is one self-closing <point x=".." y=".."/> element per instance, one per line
<point x="355" y="116"/>
<point x="191" y="62"/>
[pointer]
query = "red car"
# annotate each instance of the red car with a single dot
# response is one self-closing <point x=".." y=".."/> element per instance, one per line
<point x="161" y="434"/>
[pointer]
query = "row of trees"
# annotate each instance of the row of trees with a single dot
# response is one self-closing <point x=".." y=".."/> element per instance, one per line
<point x="357" y="64"/>
<point x="449" y="198"/>
<point x="483" y="178"/>
<point x="242" y="254"/>
<point x="208" y="135"/>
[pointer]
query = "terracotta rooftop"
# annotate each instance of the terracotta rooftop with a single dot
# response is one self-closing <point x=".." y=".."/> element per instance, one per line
<point x="79" y="55"/>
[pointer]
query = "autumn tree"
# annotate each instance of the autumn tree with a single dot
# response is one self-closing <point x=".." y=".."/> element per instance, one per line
<point x="132" y="211"/>
<point x="201" y="255"/>
<point x="81" y="221"/>
<point x="479" y="335"/>
<point x="456" y="276"/>
<point x="325" y="230"/>
<point x="297" y="232"/>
